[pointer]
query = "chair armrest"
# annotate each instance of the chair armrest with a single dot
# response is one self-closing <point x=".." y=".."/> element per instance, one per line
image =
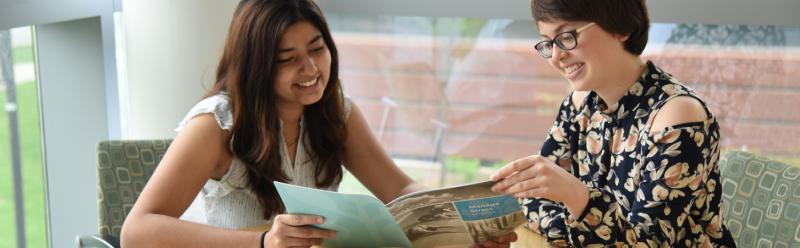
<point x="93" y="240"/>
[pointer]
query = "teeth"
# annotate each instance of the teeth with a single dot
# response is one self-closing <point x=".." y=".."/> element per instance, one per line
<point x="572" y="68"/>
<point x="309" y="83"/>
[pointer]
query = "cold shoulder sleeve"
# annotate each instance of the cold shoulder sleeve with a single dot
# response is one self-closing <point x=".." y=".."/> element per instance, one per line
<point x="677" y="174"/>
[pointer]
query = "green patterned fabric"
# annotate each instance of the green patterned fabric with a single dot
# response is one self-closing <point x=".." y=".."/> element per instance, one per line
<point x="123" y="168"/>
<point x="762" y="200"/>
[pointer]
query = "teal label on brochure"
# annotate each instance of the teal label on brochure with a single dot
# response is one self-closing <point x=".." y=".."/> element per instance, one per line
<point x="487" y="208"/>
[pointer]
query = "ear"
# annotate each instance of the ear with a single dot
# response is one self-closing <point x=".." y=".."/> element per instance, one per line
<point x="623" y="37"/>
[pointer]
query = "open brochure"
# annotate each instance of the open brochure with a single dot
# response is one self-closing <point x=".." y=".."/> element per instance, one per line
<point x="457" y="216"/>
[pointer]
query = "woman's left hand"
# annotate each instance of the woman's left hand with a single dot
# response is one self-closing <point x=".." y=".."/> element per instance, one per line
<point x="504" y="241"/>
<point x="537" y="176"/>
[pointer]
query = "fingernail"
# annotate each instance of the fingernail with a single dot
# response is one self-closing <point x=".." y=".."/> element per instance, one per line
<point x="320" y="220"/>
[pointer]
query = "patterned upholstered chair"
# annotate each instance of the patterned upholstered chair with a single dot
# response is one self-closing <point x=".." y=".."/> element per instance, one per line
<point x="762" y="200"/>
<point x="123" y="168"/>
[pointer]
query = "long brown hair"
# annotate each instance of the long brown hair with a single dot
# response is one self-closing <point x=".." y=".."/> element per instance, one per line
<point x="246" y="73"/>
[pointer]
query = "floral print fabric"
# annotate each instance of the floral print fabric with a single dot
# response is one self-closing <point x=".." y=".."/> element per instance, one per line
<point x="646" y="189"/>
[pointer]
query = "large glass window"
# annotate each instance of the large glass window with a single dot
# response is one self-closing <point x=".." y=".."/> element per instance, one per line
<point x="30" y="148"/>
<point x="465" y="96"/>
<point x="747" y="74"/>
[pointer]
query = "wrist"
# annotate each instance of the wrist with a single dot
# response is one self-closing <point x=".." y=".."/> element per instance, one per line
<point x="577" y="204"/>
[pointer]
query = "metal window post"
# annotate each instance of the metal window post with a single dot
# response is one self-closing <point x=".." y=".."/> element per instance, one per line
<point x="11" y="108"/>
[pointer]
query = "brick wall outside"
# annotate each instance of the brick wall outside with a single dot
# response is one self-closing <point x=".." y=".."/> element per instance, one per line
<point x="499" y="99"/>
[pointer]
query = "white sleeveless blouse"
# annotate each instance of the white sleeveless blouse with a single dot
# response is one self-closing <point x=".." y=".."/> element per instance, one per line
<point x="229" y="203"/>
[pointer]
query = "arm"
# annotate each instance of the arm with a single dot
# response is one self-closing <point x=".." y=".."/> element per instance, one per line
<point x="674" y="172"/>
<point x="366" y="159"/>
<point x="546" y="217"/>
<point x="196" y="154"/>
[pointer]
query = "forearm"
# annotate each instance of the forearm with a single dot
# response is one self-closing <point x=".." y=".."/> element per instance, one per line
<point x="411" y="188"/>
<point x="576" y="203"/>
<point x="154" y="230"/>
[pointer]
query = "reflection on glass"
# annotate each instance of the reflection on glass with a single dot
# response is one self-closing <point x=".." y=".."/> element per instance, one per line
<point x="746" y="74"/>
<point x="439" y="90"/>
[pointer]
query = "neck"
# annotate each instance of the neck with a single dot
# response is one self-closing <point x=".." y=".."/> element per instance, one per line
<point x="621" y="79"/>
<point x="290" y="115"/>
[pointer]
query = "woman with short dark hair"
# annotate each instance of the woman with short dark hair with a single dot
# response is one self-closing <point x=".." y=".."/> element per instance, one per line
<point x="631" y="159"/>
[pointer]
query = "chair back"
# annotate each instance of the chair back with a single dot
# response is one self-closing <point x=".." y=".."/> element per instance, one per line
<point x="761" y="200"/>
<point x="123" y="168"/>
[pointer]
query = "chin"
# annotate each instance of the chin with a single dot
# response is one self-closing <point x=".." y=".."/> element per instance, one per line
<point x="579" y="86"/>
<point x="310" y="101"/>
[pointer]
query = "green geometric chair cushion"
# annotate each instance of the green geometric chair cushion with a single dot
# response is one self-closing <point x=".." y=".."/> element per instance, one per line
<point x="123" y="168"/>
<point x="762" y="200"/>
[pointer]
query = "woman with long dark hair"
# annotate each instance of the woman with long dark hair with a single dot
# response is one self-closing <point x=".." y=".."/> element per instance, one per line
<point x="276" y="113"/>
<point x="631" y="159"/>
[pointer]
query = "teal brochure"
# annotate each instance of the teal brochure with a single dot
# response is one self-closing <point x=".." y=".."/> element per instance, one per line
<point x="451" y="217"/>
<point x="359" y="220"/>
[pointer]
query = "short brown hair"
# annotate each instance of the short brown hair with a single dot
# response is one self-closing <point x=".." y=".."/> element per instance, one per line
<point x="627" y="17"/>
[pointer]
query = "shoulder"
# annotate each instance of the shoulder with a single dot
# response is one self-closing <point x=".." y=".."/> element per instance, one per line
<point x="679" y="110"/>
<point x="201" y="143"/>
<point x="204" y="127"/>
<point x="217" y="105"/>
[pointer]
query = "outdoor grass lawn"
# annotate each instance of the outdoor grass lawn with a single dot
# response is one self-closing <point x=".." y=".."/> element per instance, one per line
<point x="32" y="171"/>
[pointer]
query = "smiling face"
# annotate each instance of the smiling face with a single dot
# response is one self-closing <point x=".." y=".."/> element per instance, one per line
<point x="304" y="64"/>
<point x="592" y="62"/>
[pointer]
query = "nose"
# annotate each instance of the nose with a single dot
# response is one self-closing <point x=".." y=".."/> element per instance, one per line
<point x="309" y="66"/>
<point x="557" y="54"/>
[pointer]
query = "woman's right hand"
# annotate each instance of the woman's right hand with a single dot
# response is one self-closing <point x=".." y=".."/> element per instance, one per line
<point x="292" y="230"/>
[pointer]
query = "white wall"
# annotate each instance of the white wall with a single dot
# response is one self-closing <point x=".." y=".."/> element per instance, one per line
<point x="173" y="48"/>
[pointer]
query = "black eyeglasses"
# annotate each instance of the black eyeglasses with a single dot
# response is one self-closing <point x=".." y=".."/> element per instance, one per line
<point x="566" y="41"/>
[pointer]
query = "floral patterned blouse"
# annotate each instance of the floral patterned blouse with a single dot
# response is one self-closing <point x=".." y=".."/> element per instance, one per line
<point x="646" y="189"/>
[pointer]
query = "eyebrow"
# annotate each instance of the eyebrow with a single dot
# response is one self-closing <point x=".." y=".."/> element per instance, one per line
<point x="315" y="39"/>
<point x="558" y="30"/>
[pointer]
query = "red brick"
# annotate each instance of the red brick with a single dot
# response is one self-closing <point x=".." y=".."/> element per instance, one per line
<point x="520" y="124"/>
<point x="467" y="120"/>
<point x="770" y="138"/>
<point x="731" y="68"/>
<point x="492" y="149"/>
<point x="398" y="86"/>
<point x="704" y="65"/>
<point x="500" y="98"/>
<point x="421" y="144"/>
<point x="753" y="103"/>
<point x="504" y="92"/>
<point x="496" y="92"/>
<point x="486" y="57"/>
